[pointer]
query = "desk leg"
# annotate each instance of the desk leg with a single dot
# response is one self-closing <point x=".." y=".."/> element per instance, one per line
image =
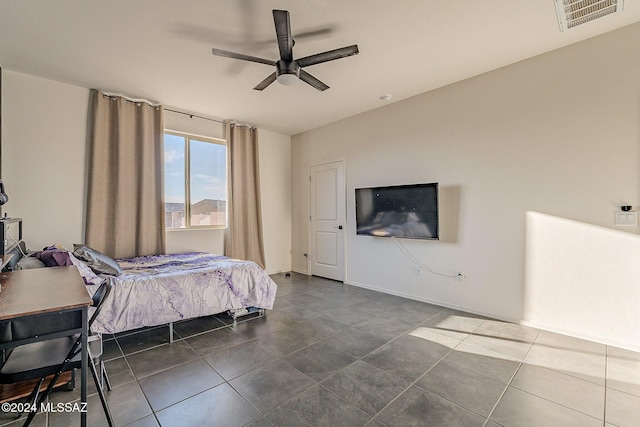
<point x="84" y="366"/>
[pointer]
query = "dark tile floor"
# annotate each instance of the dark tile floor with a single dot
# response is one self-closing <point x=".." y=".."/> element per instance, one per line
<point x="336" y="355"/>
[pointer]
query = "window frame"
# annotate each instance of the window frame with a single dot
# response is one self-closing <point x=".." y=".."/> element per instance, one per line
<point x="187" y="180"/>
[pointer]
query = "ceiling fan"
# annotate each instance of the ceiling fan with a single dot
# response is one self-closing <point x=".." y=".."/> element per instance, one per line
<point x="289" y="70"/>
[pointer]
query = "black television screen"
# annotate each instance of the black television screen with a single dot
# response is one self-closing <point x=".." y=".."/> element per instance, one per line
<point x="405" y="211"/>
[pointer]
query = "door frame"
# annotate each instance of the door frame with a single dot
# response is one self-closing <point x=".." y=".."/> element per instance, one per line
<point x="343" y="160"/>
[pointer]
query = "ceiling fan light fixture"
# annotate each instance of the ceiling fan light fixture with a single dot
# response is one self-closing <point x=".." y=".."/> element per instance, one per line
<point x="287" y="79"/>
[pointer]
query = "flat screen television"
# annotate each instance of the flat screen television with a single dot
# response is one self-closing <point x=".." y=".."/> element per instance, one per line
<point x="404" y="211"/>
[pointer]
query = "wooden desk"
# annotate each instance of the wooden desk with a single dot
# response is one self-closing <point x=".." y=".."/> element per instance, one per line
<point x="38" y="296"/>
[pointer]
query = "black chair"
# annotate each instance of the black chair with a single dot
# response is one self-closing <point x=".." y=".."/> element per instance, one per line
<point x="41" y="359"/>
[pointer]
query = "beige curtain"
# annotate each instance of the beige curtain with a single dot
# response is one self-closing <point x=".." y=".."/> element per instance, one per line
<point x="243" y="238"/>
<point x="125" y="200"/>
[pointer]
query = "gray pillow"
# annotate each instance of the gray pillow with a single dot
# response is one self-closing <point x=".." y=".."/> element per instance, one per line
<point x="97" y="261"/>
<point x="29" y="262"/>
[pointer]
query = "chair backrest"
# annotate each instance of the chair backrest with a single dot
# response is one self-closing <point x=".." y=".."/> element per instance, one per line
<point x="99" y="297"/>
<point x="14" y="330"/>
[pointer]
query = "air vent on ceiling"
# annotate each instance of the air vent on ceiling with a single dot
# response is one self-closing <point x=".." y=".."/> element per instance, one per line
<point x="572" y="13"/>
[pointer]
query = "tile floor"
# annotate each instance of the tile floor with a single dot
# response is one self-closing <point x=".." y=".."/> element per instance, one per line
<point x="336" y="355"/>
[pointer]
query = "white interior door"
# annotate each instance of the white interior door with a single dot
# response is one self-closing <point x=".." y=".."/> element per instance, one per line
<point x="327" y="220"/>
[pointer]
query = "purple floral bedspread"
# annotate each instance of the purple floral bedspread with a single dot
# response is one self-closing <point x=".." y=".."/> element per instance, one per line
<point x="159" y="289"/>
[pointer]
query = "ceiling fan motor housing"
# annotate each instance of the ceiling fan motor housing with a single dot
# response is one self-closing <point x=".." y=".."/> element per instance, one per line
<point x="287" y="72"/>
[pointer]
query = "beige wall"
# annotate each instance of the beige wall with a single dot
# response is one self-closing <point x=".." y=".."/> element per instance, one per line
<point x="275" y="187"/>
<point x="555" y="135"/>
<point x="43" y="159"/>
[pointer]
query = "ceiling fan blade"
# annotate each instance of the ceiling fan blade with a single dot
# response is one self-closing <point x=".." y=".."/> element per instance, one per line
<point x="310" y="33"/>
<point x="313" y="33"/>
<point x="266" y="82"/>
<point x="308" y="78"/>
<point x="330" y="55"/>
<point x="234" y="55"/>
<point x="283" y="31"/>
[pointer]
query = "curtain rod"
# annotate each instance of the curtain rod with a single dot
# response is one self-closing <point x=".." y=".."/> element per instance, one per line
<point x="191" y="115"/>
<point x="127" y="98"/>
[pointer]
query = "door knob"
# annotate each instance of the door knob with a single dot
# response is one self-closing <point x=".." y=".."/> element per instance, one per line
<point x="338" y="227"/>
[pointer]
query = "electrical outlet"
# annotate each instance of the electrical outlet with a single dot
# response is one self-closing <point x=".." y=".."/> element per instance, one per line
<point x="417" y="271"/>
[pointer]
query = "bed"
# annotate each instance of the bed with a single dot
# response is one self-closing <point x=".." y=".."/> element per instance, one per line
<point x="163" y="289"/>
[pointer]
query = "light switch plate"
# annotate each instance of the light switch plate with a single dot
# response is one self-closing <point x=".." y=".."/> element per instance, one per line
<point x="629" y="218"/>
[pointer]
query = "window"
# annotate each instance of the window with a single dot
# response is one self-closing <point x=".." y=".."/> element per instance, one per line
<point x="195" y="181"/>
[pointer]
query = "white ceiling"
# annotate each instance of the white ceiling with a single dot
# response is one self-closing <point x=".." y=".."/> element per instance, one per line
<point x="161" y="49"/>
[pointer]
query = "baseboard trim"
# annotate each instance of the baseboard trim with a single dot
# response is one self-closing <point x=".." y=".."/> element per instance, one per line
<point x="435" y="302"/>
<point x="548" y="328"/>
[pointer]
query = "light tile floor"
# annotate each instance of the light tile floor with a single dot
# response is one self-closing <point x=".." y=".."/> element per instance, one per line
<point x="336" y="355"/>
